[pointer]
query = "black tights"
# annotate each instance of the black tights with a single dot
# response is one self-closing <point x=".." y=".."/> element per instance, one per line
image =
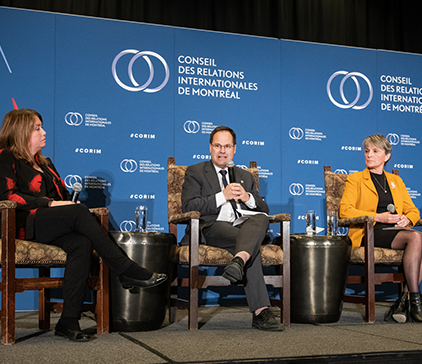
<point x="411" y="242"/>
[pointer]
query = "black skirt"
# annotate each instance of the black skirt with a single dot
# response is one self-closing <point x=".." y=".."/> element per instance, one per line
<point x="383" y="238"/>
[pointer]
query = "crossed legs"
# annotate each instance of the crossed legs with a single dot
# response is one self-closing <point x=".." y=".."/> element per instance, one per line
<point x="244" y="240"/>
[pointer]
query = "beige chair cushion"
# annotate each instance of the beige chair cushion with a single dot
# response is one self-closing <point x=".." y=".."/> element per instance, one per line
<point x="208" y="255"/>
<point x="381" y="256"/>
<point x="36" y="254"/>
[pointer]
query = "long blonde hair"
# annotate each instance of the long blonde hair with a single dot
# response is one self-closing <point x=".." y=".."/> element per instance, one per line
<point x="16" y="131"/>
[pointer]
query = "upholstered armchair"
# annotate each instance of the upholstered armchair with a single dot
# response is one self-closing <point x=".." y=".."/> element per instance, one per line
<point x="366" y="255"/>
<point x="26" y="254"/>
<point x="195" y="254"/>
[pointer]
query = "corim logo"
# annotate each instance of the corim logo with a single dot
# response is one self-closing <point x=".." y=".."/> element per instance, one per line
<point x="394" y="139"/>
<point x="70" y="179"/>
<point x="135" y="85"/>
<point x="73" y="119"/>
<point x="296" y="189"/>
<point x="191" y="127"/>
<point x="127" y="225"/>
<point x="346" y="104"/>
<point x="296" y="133"/>
<point x="128" y="165"/>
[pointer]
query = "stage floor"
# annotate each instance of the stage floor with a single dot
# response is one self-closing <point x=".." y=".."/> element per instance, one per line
<point x="226" y="336"/>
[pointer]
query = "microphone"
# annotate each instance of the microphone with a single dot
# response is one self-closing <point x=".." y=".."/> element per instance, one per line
<point x="391" y="208"/>
<point x="230" y="169"/>
<point x="77" y="187"/>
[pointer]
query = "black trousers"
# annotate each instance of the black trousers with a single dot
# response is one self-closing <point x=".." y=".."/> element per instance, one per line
<point x="245" y="237"/>
<point x="74" y="229"/>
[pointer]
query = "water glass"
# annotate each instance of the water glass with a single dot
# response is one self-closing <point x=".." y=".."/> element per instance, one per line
<point x="141" y="217"/>
<point x="332" y="223"/>
<point x="311" y="222"/>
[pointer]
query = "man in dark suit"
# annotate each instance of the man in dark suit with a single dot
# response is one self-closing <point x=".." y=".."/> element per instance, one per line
<point x="206" y="189"/>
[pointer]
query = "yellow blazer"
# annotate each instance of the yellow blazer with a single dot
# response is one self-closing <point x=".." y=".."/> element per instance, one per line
<point x="360" y="198"/>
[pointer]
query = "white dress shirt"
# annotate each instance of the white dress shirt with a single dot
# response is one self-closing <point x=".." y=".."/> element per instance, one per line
<point x="226" y="211"/>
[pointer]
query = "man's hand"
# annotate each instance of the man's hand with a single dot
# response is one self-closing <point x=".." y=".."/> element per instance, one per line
<point x="235" y="191"/>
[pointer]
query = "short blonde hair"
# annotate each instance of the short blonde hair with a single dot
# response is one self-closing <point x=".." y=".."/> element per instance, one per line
<point x="16" y="131"/>
<point x="379" y="141"/>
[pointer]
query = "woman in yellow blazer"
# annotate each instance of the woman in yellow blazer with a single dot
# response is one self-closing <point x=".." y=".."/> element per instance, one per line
<point x="384" y="196"/>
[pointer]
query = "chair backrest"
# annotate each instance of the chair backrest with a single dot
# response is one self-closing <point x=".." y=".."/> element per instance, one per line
<point x="334" y="188"/>
<point x="175" y="179"/>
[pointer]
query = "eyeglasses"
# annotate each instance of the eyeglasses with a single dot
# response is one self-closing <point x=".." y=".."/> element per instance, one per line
<point x="219" y="146"/>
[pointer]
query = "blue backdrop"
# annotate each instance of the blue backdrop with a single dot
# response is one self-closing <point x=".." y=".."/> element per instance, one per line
<point x="118" y="98"/>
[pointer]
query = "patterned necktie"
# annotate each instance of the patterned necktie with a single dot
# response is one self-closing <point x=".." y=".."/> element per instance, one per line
<point x="232" y="202"/>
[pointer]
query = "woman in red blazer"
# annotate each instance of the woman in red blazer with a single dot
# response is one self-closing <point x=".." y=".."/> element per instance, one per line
<point x="46" y="214"/>
<point x="384" y="196"/>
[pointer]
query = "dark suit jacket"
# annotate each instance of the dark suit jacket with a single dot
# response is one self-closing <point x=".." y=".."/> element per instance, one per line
<point x="200" y="187"/>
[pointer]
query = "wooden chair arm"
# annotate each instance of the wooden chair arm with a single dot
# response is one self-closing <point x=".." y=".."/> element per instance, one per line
<point x="279" y="218"/>
<point x="100" y="211"/>
<point x="7" y="204"/>
<point x="355" y="220"/>
<point x="184" y="218"/>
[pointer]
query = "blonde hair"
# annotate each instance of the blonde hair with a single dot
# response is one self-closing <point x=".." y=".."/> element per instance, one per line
<point x="379" y="141"/>
<point x="16" y="131"/>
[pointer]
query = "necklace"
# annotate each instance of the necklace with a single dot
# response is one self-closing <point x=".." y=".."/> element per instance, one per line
<point x="385" y="183"/>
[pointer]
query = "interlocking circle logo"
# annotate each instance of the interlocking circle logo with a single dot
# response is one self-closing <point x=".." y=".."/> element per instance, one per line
<point x="128" y="165"/>
<point x="127" y="225"/>
<point x="296" y="133"/>
<point x="73" y="119"/>
<point x="191" y="127"/>
<point x="340" y="171"/>
<point x="343" y="231"/>
<point x="346" y="104"/>
<point x="296" y="189"/>
<point x="394" y="139"/>
<point x="137" y="54"/>
<point x="70" y="179"/>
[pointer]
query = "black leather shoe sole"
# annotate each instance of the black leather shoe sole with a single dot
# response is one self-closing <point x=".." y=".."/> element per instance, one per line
<point x="155" y="280"/>
<point x="74" y="335"/>
<point x="234" y="270"/>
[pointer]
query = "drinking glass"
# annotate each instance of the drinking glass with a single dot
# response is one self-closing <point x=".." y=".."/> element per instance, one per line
<point x="311" y="222"/>
<point x="332" y="223"/>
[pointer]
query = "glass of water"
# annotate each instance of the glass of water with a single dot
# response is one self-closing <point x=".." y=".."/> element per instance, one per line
<point x="311" y="222"/>
<point x="332" y="223"/>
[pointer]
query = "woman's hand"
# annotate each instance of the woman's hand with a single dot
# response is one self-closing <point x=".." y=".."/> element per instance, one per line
<point x="60" y="203"/>
<point x="389" y="218"/>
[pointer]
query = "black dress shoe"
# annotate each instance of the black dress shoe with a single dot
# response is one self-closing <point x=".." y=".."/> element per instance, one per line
<point x="155" y="280"/>
<point x="74" y="335"/>
<point x="234" y="270"/>
<point x="266" y="321"/>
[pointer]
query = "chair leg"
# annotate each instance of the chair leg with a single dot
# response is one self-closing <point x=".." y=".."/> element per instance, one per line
<point x="369" y="273"/>
<point x="285" y="226"/>
<point x="8" y="276"/>
<point x="193" y="275"/>
<point x="102" y="305"/>
<point x="43" y="300"/>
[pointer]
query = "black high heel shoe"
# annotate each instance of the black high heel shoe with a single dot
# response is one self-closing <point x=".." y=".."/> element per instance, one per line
<point x="400" y="308"/>
<point x="155" y="280"/>
<point x="415" y="306"/>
